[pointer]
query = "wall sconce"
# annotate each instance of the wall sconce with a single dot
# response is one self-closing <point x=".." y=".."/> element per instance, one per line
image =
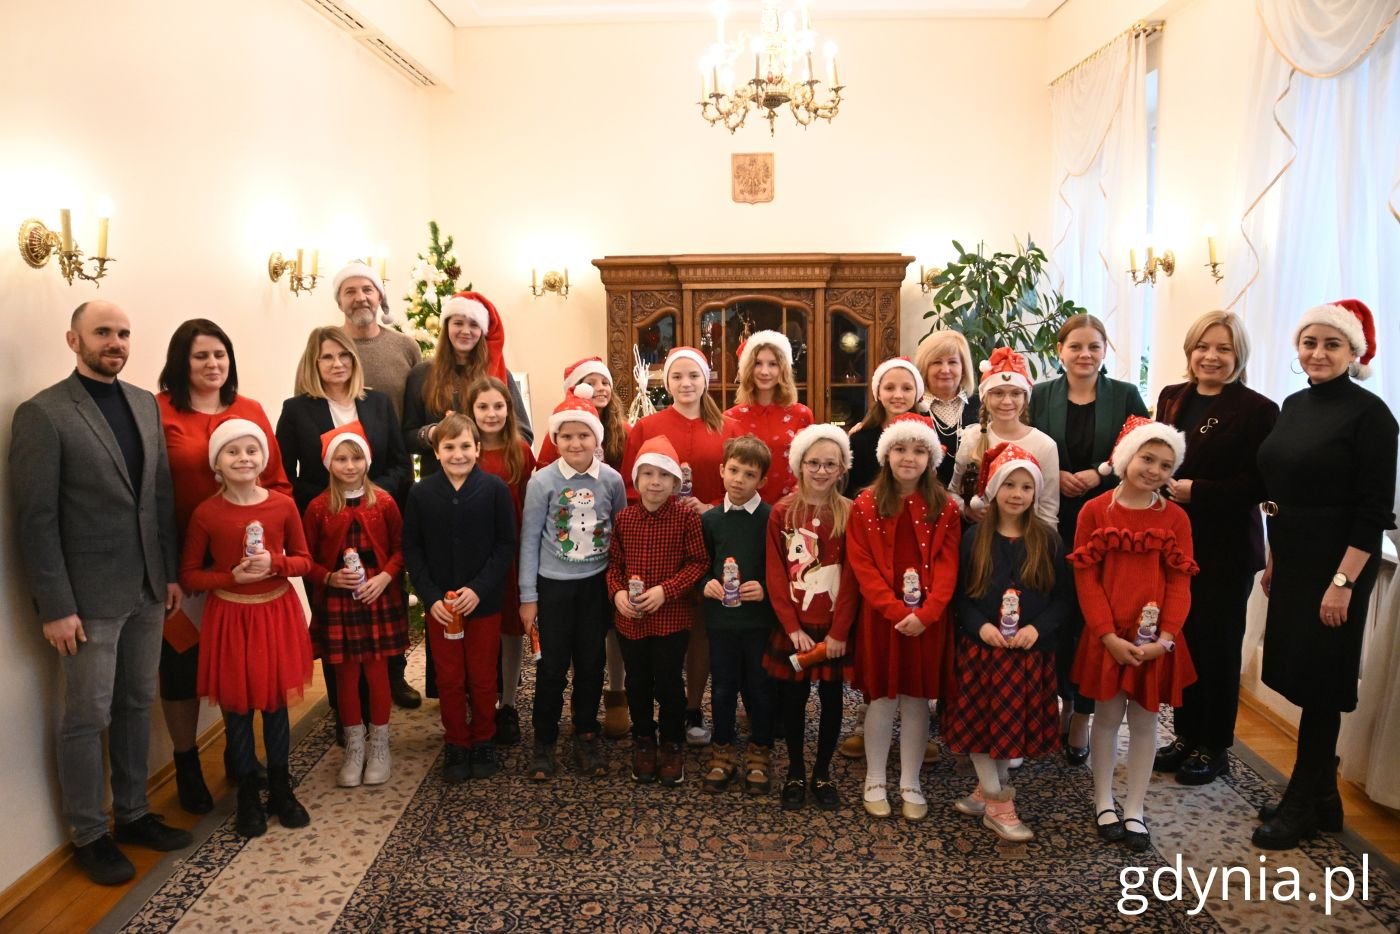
<point x="37" y="243"/>
<point x="926" y="278"/>
<point x="553" y="282"/>
<point x="276" y="266"/>
<point x="1166" y="262"/>
<point x="1214" y="263"/>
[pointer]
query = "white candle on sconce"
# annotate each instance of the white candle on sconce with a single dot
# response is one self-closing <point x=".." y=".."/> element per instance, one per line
<point x="1210" y="244"/>
<point x="65" y="220"/>
<point x="1132" y="259"/>
<point x="102" y="237"/>
<point x="315" y="262"/>
<point x="297" y="268"/>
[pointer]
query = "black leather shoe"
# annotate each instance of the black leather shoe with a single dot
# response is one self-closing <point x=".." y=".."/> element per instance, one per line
<point x="1111" y="832"/>
<point x="404" y="694"/>
<point x="1074" y="755"/>
<point x="251" y="820"/>
<point x="456" y="764"/>
<point x="150" y="831"/>
<point x="281" y="802"/>
<point x="189" y="783"/>
<point x="1169" y="758"/>
<point x="794" y="794"/>
<point x="507" y="727"/>
<point x="103" y="862"/>
<point x="1139" y="841"/>
<point x="1203" y="766"/>
<point x="824" y="791"/>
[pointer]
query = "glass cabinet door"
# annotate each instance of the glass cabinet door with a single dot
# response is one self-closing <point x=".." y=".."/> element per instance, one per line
<point x="848" y="364"/>
<point x="723" y="329"/>
<point x="655" y="339"/>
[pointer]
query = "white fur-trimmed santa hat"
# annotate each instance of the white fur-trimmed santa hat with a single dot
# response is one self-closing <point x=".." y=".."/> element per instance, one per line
<point x="469" y="308"/>
<point x="1354" y="320"/>
<point x="903" y="363"/>
<point x="911" y="427"/>
<point x="809" y="436"/>
<point x="1005" y="367"/>
<point x="1000" y="462"/>
<point x="658" y="452"/>
<point x="1136" y="432"/>
<point x="779" y="342"/>
<point x="577" y="372"/>
<point x="231" y="429"/>
<point x="356" y="270"/>
<point x="684" y="353"/>
<point x="354" y="432"/>
<point x="576" y="407"/>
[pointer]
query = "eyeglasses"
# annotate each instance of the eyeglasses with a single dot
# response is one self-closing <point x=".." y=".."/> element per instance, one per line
<point x="821" y="466"/>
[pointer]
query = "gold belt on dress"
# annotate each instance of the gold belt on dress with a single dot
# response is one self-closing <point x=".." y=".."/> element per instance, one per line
<point x="252" y="597"/>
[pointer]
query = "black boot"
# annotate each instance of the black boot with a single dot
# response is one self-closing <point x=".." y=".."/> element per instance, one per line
<point x="252" y="819"/>
<point x="189" y="783"/>
<point x="281" y="803"/>
<point x="1328" y="804"/>
<point x="1296" y="819"/>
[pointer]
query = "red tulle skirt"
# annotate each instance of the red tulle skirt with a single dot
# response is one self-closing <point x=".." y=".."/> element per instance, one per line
<point x="254" y="656"/>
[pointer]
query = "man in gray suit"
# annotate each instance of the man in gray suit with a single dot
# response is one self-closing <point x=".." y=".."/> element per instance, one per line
<point x="96" y="516"/>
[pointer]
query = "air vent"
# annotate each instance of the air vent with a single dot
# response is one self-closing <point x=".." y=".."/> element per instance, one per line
<point x="374" y="41"/>
<point x="338" y="15"/>
<point x="388" y="52"/>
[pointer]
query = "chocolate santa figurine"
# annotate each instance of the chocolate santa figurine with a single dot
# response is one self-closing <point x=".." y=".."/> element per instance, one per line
<point x="1147" y="624"/>
<point x="1010" y="613"/>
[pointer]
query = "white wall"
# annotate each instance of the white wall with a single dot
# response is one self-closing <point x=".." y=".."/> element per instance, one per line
<point x="569" y="143"/>
<point x="219" y="136"/>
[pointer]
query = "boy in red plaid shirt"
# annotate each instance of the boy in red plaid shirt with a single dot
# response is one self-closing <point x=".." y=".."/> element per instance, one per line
<point x="658" y="549"/>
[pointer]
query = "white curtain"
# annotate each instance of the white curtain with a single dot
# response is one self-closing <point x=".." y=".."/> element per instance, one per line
<point x="1321" y="222"/>
<point x="1098" y="118"/>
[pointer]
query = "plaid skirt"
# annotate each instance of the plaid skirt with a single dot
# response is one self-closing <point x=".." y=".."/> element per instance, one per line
<point x="345" y="630"/>
<point x="775" y="657"/>
<point x="1002" y="703"/>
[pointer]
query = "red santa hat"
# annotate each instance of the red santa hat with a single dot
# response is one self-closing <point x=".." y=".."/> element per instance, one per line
<point x="1136" y="432"/>
<point x="472" y="309"/>
<point x="809" y="436"/>
<point x="911" y="427"/>
<point x="684" y="353"/>
<point x="354" y="432"/>
<point x="903" y="363"/>
<point x="577" y="372"/>
<point x="1005" y="367"/>
<point x="492" y="329"/>
<point x="231" y="429"/>
<point x="576" y="407"/>
<point x="1354" y="320"/>
<point x="997" y="464"/>
<point x="750" y="346"/>
<point x="356" y="270"/>
<point x="658" y="452"/>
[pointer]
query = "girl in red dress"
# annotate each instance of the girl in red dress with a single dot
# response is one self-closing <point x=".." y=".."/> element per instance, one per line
<point x="814" y="596"/>
<point x="507" y="455"/>
<point x="241" y="546"/>
<point x="1015" y="594"/>
<point x="903" y="546"/>
<point x="697" y="429"/>
<point x="766" y="405"/>
<point x="1133" y="563"/>
<point x="358" y="615"/>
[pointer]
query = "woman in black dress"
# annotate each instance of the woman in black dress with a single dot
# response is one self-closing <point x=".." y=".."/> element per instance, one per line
<point x="1083" y="410"/>
<point x="1329" y="473"/>
<point x="950" y="396"/>
<point x="1219" y="486"/>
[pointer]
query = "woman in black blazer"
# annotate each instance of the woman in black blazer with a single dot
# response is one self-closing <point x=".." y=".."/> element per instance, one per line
<point x="1083" y="410"/>
<point x="1219" y="486"/>
<point x="330" y="392"/>
<point x="950" y="391"/>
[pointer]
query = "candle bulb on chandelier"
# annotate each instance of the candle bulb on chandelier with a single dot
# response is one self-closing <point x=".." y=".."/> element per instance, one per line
<point x="756" y="75"/>
<point x="297" y="268"/>
<point x="1132" y="260"/>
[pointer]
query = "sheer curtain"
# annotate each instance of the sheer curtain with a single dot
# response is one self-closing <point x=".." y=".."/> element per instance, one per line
<point x="1098" y="118"/>
<point x="1322" y="223"/>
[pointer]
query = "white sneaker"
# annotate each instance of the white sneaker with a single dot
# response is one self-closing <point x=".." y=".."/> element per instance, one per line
<point x="352" y="767"/>
<point x="697" y="735"/>
<point x="377" y="755"/>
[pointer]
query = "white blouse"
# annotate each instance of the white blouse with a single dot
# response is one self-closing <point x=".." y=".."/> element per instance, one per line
<point x="1040" y="446"/>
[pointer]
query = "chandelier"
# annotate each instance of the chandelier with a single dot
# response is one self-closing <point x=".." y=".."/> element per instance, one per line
<point x="782" y="71"/>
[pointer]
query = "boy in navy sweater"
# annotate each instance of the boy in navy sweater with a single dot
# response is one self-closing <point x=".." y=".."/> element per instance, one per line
<point x="459" y="537"/>
<point x="571" y="507"/>
<point x="738" y="615"/>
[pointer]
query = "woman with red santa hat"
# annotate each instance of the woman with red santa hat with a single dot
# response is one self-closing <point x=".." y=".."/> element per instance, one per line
<point x="1329" y="474"/>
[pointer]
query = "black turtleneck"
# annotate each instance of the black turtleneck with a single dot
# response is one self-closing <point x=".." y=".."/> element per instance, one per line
<point x="112" y="401"/>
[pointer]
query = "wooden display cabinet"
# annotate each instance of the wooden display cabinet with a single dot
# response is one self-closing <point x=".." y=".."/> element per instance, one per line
<point x="839" y="310"/>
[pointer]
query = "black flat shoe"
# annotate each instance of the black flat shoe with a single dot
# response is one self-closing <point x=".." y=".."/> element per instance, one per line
<point x="104" y="862"/>
<point x="1170" y="757"/>
<point x="404" y="694"/>
<point x="1203" y="767"/>
<point x="824" y="791"/>
<point x="1137" y="841"/>
<point x="1111" y="832"/>
<point x="1075" y="755"/>
<point x="794" y="794"/>
<point x="150" y="831"/>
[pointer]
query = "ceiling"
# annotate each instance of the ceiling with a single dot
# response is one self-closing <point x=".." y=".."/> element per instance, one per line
<point x="469" y="13"/>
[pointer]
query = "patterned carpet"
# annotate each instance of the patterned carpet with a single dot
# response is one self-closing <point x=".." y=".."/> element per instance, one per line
<point x="607" y="855"/>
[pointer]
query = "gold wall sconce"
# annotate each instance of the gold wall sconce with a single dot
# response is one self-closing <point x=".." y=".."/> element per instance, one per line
<point x="553" y="282"/>
<point x="37" y="243"/>
<point x="1166" y="262"/>
<point x="1214" y="264"/>
<point x="299" y="282"/>
<point x="926" y="277"/>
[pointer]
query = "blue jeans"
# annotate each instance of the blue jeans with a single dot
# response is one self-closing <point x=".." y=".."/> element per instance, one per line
<point x="736" y="665"/>
<point x="110" y="684"/>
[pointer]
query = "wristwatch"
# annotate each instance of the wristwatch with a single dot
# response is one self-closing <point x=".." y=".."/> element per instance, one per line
<point x="1340" y="580"/>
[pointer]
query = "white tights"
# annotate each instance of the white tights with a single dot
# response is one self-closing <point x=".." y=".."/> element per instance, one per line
<point x="913" y="741"/>
<point x="992" y="774"/>
<point x="1103" y="753"/>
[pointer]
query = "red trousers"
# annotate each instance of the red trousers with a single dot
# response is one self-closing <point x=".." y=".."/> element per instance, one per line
<point x="347" y="682"/>
<point x="466" y="674"/>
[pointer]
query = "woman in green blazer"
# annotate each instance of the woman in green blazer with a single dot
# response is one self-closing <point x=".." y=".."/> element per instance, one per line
<point x="1083" y="410"/>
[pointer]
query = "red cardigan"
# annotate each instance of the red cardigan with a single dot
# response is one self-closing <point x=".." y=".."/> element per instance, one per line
<point x="870" y="545"/>
<point x="326" y="531"/>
